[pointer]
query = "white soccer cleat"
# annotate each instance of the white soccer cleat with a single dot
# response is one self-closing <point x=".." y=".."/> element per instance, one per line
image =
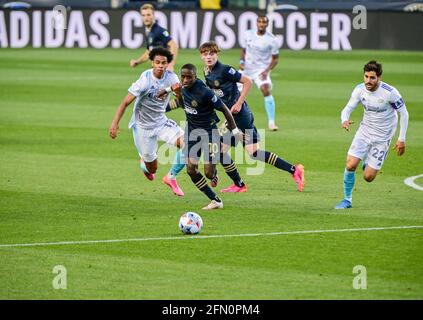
<point x="273" y="127"/>
<point x="214" y="205"/>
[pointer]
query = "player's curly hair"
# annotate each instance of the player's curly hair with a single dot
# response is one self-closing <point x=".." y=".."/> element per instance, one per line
<point x="161" y="52"/>
<point x="373" y="66"/>
<point x="210" y="46"/>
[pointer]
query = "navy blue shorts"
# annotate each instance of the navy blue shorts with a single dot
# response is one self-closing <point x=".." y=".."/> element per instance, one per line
<point x="245" y="123"/>
<point x="204" y="142"/>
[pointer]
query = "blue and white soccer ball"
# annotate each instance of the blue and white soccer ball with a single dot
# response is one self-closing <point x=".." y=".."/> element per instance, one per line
<point x="190" y="223"/>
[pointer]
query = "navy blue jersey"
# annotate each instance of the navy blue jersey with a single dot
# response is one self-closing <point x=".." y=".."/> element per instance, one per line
<point x="222" y="79"/>
<point x="158" y="37"/>
<point x="200" y="104"/>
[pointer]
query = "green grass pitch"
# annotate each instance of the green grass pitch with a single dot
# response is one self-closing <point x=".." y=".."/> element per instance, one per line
<point x="63" y="179"/>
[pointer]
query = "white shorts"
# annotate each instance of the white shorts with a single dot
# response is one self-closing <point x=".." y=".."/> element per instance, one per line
<point x="146" y="140"/>
<point x="375" y="151"/>
<point x="254" y="75"/>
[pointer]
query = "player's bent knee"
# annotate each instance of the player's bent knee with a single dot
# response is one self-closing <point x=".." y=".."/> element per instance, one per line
<point x="350" y="168"/>
<point x="369" y="178"/>
<point x="192" y="170"/>
<point x="209" y="174"/>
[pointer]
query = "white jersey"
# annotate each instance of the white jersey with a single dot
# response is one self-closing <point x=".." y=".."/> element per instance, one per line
<point x="149" y="111"/>
<point x="259" y="49"/>
<point x="380" y="111"/>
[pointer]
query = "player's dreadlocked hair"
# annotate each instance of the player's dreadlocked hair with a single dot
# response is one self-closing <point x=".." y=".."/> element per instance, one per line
<point x="161" y="52"/>
<point x="373" y="66"/>
<point x="210" y="46"/>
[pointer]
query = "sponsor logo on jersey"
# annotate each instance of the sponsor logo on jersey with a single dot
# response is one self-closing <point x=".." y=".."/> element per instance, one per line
<point x="190" y="110"/>
<point x="218" y="92"/>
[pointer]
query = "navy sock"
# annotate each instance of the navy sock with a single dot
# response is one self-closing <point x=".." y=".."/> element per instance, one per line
<point x="201" y="183"/>
<point x="274" y="160"/>
<point x="231" y="169"/>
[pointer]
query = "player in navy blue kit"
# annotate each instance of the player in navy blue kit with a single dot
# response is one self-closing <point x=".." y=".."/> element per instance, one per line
<point x="202" y="135"/>
<point x="223" y="79"/>
<point x="156" y="37"/>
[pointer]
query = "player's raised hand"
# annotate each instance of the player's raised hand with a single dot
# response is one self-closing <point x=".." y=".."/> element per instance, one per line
<point x="263" y="75"/>
<point x="113" y="130"/>
<point x="400" y="147"/>
<point x="161" y="94"/>
<point x="236" y="108"/>
<point x="176" y="89"/>
<point x="133" y="63"/>
<point x="346" y="124"/>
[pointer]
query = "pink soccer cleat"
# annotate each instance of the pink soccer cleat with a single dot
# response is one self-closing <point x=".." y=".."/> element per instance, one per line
<point x="149" y="176"/>
<point x="173" y="185"/>
<point x="298" y="177"/>
<point x="234" y="188"/>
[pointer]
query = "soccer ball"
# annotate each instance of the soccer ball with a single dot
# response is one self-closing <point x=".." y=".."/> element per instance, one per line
<point x="190" y="223"/>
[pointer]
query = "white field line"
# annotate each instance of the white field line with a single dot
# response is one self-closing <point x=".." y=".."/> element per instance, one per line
<point x="205" y="237"/>
<point x="410" y="182"/>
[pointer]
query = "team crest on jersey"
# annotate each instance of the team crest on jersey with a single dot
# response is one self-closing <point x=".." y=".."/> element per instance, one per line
<point x="218" y="92"/>
<point x="165" y="33"/>
<point x="216" y="83"/>
<point x="194" y="104"/>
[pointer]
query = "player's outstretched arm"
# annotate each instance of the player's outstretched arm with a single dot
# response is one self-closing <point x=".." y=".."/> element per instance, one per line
<point x="346" y="124"/>
<point x="231" y="122"/>
<point x="173" y="48"/>
<point x="273" y="63"/>
<point x="175" y="89"/>
<point x="349" y="108"/>
<point x="134" y="62"/>
<point x="400" y="145"/>
<point x="114" y="127"/>
<point x="246" y="86"/>
<point x="242" y="59"/>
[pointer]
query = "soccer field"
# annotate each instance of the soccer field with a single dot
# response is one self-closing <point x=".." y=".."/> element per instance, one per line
<point x="66" y="185"/>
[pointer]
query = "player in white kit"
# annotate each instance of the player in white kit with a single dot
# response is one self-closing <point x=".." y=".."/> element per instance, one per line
<point x="259" y="55"/>
<point x="381" y="103"/>
<point x="149" y="122"/>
